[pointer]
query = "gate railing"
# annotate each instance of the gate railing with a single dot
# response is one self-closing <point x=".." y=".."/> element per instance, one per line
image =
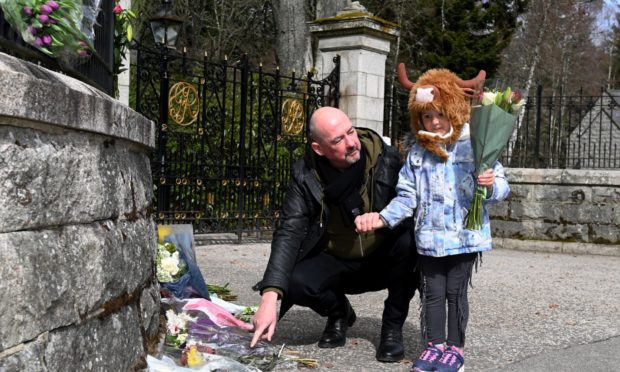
<point x="228" y="135"/>
<point x="556" y="131"/>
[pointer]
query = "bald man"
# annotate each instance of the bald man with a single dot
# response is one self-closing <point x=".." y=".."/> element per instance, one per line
<point x="317" y="257"/>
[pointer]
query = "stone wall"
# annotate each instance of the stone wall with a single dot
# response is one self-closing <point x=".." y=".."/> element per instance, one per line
<point x="77" y="242"/>
<point x="570" y="211"/>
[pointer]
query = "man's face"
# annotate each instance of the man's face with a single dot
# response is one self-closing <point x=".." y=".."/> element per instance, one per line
<point x="337" y="141"/>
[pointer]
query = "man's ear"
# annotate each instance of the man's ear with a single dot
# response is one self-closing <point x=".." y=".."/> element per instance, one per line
<point x="316" y="148"/>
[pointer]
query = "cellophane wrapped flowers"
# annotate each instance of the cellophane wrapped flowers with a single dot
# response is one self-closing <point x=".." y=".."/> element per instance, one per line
<point x="52" y="26"/>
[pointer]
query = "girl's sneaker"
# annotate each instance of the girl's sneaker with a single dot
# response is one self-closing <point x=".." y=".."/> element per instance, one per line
<point x="428" y="360"/>
<point x="451" y="361"/>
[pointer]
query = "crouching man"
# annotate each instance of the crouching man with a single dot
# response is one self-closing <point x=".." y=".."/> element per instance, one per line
<point x="317" y="257"/>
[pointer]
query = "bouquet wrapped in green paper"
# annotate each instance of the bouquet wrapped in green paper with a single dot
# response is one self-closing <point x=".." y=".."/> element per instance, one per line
<point x="491" y="126"/>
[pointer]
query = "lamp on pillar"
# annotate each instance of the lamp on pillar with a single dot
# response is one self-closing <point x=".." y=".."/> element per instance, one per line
<point x="166" y="25"/>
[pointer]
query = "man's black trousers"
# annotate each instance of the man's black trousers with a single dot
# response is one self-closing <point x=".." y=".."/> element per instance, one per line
<point x="321" y="280"/>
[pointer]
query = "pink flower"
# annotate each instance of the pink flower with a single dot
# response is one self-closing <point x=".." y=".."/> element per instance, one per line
<point x="52" y="4"/>
<point x="43" y="18"/>
<point x="47" y="39"/>
<point x="27" y="11"/>
<point x="38" y="41"/>
<point x="117" y="9"/>
<point x="33" y="30"/>
<point x="45" y="9"/>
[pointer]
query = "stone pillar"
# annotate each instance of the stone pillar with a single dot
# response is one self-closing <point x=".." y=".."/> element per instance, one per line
<point x="363" y="42"/>
<point x="123" y="77"/>
<point x="77" y="241"/>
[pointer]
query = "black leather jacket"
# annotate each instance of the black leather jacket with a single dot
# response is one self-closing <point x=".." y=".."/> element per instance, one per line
<point x="305" y="215"/>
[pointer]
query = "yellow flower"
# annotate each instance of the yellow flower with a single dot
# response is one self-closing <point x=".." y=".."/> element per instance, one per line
<point x="194" y="358"/>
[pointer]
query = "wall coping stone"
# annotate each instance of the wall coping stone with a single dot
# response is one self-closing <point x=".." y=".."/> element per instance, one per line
<point x="564" y="176"/>
<point x="78" y="106"/>
<point x="355" y="24"/>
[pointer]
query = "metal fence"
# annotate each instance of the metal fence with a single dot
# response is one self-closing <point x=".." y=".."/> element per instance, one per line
<point x="228" y="135"/>
<point x="553" y="131"/>
<point x="97" y="71"/>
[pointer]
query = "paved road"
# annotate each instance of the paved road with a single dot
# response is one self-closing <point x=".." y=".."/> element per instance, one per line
<point x="529" y="311"/>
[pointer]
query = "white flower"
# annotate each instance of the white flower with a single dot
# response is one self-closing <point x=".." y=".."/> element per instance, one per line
<point x="174" y="324"/>
<point x="170" y="265"/>
<point x="163" y="276"/>
<point x="516" y="106"/>
<point x="488" y="98"/>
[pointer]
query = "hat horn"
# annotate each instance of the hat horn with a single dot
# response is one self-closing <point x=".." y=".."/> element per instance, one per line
<point x="470" y="87"/>
<point x="402" y="77"/>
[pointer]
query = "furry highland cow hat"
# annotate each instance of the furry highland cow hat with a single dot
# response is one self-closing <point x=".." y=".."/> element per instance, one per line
<point x="440" y="90"/>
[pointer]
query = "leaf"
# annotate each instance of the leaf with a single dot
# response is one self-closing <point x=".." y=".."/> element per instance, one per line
<point x="129" y="33"/>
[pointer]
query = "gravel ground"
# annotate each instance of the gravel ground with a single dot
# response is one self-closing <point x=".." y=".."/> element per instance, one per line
<point x="527" y="309"/>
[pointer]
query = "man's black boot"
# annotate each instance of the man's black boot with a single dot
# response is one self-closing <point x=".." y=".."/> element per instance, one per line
<point x="391" y="346"/>
<point x="335" y="333"/>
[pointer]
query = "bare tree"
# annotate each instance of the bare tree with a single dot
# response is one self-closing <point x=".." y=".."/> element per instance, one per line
<point x="558" y="32"/>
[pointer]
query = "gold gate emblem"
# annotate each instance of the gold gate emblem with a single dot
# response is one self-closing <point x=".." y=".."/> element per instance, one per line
<point x="183" y="103"/>
<point x="293" y="117"/>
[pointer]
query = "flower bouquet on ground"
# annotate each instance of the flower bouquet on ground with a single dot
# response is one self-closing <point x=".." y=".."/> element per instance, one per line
<point x="203" y="336"/>
<point x="491" y="125"/>
<point x="52" y="26"/>
<point x="170" y="266"/>
<point x="177" y="270"/>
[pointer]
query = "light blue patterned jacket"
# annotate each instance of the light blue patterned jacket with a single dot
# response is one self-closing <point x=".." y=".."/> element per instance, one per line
<point x="440" y="194"/>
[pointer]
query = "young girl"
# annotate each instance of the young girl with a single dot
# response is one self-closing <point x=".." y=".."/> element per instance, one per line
<point x="437" y="184"/>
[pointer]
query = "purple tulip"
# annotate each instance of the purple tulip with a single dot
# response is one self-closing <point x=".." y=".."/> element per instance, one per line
<point x="27" y="11"/>
<point x="53" y="21"/>
<point x="52" y="4"/>
<point x="47" y="39"/>
<point x="45" y="9"/>
<point x="38" y="41"/>
<point x="44" y="18"/>
<point x="32" y="30"/>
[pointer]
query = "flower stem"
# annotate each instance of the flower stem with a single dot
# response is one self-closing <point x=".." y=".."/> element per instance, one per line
<point x="473" y="220"/>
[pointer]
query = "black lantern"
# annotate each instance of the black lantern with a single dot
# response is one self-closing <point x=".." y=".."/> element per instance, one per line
<point x="166" y="25"/>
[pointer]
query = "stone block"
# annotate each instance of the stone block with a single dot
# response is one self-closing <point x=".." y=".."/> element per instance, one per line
<point x="607" y="195"/>
<point x="54" y="278"/>
<point x="355" y="42"/>
<point x="149" y="310"/>
<point x="539" y="230"/>
<point x="374" y="86"/>
<point x="562" y="194"/>
<point x="113" y="343"/>
<point x="519" y="191"/>
<point x="69" y="178"/>
<point x="26" y="357"/>
<point x="498" y="210"/>
<point x="604" y="233"/>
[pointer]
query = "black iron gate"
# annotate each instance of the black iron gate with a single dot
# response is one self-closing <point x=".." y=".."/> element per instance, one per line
<point x="227" y="136"/>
